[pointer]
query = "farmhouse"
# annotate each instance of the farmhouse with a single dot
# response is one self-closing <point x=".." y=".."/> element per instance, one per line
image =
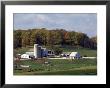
<point x="74" y="55"/>
<point x="25" y="56"/>
<point x="65" y="54"/>
<point x="51" y="53"/>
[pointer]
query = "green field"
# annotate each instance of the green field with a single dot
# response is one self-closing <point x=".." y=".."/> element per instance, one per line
<point x="58" y="67"/>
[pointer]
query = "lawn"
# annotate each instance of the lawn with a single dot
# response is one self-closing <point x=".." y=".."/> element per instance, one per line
<point x="58" y="67"/>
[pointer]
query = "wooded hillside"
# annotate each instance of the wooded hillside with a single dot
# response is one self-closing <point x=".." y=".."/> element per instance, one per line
<point x="43" y="36"/>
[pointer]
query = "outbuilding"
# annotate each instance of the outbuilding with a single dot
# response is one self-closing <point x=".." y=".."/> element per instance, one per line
<point x="25" y="56"/>
<point x="75" y="55"/>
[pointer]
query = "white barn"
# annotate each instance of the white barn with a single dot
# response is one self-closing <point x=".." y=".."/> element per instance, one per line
<point x="74" y="55"/>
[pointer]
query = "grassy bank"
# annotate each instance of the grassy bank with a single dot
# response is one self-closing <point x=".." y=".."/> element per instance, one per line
<point x="59" y="67"/>
<point x="91" y="70"/>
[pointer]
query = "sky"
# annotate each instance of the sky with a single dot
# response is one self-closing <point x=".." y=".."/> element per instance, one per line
<point x="79" y="22"/>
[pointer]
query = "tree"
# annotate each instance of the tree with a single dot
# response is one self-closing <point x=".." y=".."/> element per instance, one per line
<point x="50" y="39"/>
<point x="94" y="42"/>
<point x="67" y="38"/>
<point x="62" y="33"/>
<point x="57" y="37"/>
<point x="33" y="37"/>
<point x="17" y="38"/>
<point x="42" y="36"/>
<point x="72" y="38"/>
<point x="58" y="50"/>
<point x="26" y="38"/>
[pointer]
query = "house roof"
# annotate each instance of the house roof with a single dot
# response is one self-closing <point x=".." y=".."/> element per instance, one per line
<point x="24" y="55"/>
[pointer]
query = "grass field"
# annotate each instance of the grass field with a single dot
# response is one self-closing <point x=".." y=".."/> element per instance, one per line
<point x="59" y="67"/>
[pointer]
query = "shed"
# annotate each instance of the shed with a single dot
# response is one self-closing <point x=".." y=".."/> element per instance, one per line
<point x="75" y="55"/>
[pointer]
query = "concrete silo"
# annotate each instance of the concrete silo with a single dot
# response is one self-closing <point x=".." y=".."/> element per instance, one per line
<point x="37" y="51"/>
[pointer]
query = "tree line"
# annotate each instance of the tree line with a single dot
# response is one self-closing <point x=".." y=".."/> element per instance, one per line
<point x="43" y="36"/>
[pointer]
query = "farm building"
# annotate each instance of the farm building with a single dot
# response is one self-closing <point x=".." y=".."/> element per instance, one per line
<point x="65" y="54"/>
<point x="39" y="52"/>
<point x="51" y="53"/>
<point x="26" y="56"/>
<point x="44" y="52"/>
<point x="74" y="55"/>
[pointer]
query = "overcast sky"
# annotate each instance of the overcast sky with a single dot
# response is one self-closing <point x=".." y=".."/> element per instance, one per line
<point x="86" y="23"/>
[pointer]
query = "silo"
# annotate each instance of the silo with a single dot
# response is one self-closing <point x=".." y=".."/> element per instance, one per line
<point x="36" y="50"/>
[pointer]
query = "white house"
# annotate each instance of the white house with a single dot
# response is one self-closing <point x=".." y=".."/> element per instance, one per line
<point x="51" y="53"/>
<point x="25" y="56"/>
<point x="75" y="55"/>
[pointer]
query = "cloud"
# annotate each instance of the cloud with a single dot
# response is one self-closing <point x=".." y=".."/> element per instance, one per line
<point x="81" y="22"/>
<point x="41" y="18"/>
